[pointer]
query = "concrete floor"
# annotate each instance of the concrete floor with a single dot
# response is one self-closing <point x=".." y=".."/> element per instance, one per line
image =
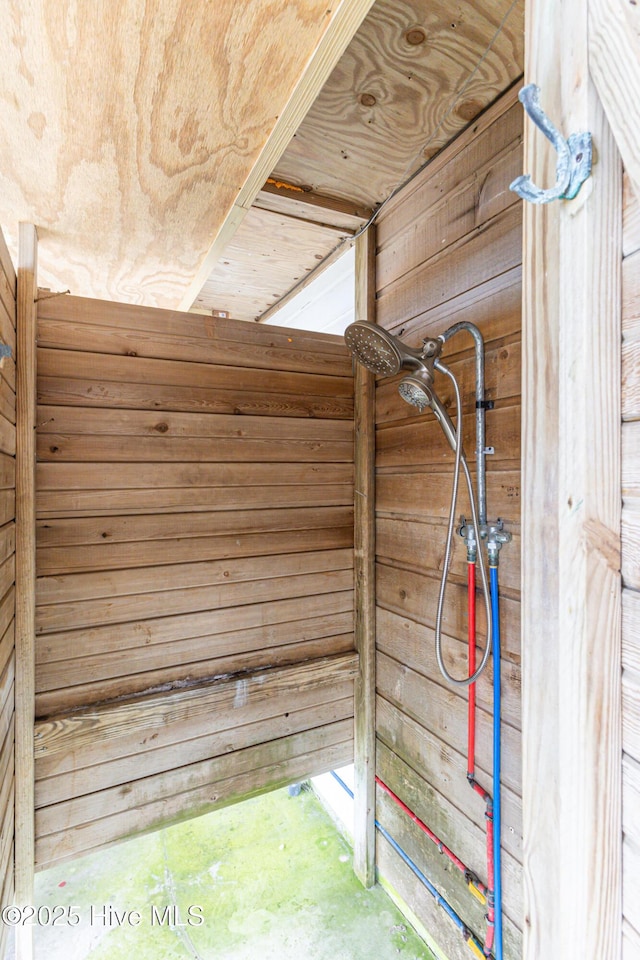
<point x="270" y="878"/>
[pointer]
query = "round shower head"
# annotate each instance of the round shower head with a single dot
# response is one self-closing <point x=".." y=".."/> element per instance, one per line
<point x="374" y="348"/>
<point x="416" y="392"/>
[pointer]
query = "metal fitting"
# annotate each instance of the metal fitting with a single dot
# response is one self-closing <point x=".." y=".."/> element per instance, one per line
<point x="431" y="348"/>
<point x="495" y="536"/>
<point x="468" y="534"/>
<point x="492" y="532"/>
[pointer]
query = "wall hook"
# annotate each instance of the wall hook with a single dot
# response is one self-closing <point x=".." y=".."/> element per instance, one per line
<point x="573" y="165"/>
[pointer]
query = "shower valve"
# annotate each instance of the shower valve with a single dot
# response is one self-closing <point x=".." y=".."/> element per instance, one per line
<point x="492" y="532"/>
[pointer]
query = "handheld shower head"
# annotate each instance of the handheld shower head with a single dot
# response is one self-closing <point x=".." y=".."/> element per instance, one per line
<point x="415" y="389"/>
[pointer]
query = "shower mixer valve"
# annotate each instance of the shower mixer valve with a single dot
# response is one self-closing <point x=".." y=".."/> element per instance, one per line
<point x="491" y="532"/>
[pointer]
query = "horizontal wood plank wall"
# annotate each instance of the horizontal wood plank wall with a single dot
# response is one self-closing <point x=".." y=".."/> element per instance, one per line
<point x="195" y="566"/>
<point x="449" y="249"/>
<point x="7" y="577"/>
<point x="631" y="572"/>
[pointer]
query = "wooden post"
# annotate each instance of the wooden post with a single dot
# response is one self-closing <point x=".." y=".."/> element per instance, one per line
<point x="25" y="578"/>
<point x="571" y="582"/>
<point x="364" y="854"/>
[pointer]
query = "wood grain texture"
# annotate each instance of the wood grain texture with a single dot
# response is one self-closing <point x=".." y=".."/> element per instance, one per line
<point x="412" y="644"/>
<point x="630" y="218"/>
<point x="571" y="689"/>
<point x="313" y="707"/>
<point x="83" y="810"/>
<point x="185" y="547"/>
<point x="269" y="254"/>
<point x="423" y="441"/>
<point x="58" y="848"/>
<point x="211" y="332"/>
<point x="202" y="628"/>
<point x="364" y="577"/>
<point x="166" y="668"/>
<point x="130" y="209"/>
<point x="614" y="64"/>
<point x="61" y="743"/>
<point x="177" y="577"/>
<point x="416" y="109"/>
<point x="630" y="572"/>
<point x="449" y="250"/>
<point x="25" y="577"/>
<point x="90" y="613"/>
<point x="199" y="345"/>
<point x="312" y="207"/>
<point x="8" y="294"/>
<point x="490" y="250"/>
<point x="118" y="556"/>
<point x="75" y="503"/>
<point x="72" y="365"/>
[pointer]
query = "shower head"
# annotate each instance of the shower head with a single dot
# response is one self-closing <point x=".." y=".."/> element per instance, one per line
<point x="417" y="391"/>
<point x="382" y="353"/>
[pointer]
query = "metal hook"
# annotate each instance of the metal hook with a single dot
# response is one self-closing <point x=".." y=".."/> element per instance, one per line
<point x="573" y="165"/>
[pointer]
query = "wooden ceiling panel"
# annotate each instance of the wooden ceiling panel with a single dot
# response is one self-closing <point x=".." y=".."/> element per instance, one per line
<point x="268" y="255"/>
<point x="415" y="74"/>
<point x="129" y="129"/>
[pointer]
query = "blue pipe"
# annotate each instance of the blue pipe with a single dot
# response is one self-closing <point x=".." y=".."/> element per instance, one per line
<point x="497" y="853"/>
<point x="448" y="909"/>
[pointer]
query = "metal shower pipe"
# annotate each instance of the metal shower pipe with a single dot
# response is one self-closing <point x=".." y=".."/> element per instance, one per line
<point x="481" y="450"/>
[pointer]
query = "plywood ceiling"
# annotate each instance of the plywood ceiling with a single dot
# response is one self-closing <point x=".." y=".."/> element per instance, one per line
<point x="130" y="130"/>
<point x="137" y="134"/>
<point x="269" y="253"/>
<point x="415" y="74"/>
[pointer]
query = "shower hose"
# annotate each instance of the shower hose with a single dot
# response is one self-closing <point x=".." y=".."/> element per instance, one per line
<point x="461" y="459"/>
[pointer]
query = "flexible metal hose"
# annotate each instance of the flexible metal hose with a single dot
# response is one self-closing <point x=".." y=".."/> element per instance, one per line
<point x="460" y="458"/>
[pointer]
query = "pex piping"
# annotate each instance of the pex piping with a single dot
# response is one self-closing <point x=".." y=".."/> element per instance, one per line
<point x="471" y="763"/>
<point x="470" y="939"/>
<point x="475" y="885"/>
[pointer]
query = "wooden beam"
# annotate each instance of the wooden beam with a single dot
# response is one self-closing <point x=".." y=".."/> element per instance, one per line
<point x="614" y="63"/>
<point x="364" y="854"/>
<point x="25" y="577"/>
<point x="571" y="516"/>
<point x="342" y="28"/>
<point x="306" y="205"/>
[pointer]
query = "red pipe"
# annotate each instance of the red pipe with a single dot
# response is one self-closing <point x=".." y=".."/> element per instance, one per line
<point x="471" y="726"/>
<point x="469" y="874"/>
<point x="489" y="935"/>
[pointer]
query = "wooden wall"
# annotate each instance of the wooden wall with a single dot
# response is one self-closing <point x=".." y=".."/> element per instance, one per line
<point x="7" y="576"/>
<point x="449" y="249"/>
<point x="195" y="566"/>
<point x="631" y="573"/>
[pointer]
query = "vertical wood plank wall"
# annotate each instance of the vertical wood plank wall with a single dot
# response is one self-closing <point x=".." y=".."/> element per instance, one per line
<point x="631" y="573"/>
<point x="7" y="576"/>
<point x="195" y="566"/>
<point x="449" y="249"/>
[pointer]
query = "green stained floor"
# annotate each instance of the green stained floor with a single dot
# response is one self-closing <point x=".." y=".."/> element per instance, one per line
<point x="267" y="879"/>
